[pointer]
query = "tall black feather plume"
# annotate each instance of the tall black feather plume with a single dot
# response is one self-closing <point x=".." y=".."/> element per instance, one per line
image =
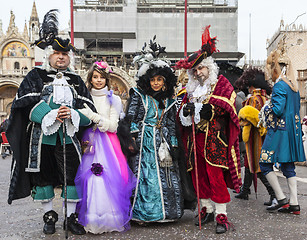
<point x="49" y="27"/>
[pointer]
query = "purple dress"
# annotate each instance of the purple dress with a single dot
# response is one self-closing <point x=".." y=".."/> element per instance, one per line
<point x="104" y="183"/>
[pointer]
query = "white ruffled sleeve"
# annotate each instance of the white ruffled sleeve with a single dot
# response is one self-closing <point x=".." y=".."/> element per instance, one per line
<point x="50" y="125"/>
<point x="185" y="121"/>
<point x="72" y="125"/>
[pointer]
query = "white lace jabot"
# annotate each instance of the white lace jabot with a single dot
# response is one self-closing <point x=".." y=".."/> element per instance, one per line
<point x="61" y="92"/>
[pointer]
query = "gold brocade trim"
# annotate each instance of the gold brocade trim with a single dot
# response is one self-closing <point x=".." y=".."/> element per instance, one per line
<point x="229" y="101"/>
<point x="202" y="125"/>
<point x="235" y="160"/>
<point x="221" y="140"/>
<point x="182" y="91"/>
<point x="216" y="165"/>
<point x="190" y="166"/>
<point x="202" y="54"/>
<point x="38" y="43"/>
<point x="212" y="109"/>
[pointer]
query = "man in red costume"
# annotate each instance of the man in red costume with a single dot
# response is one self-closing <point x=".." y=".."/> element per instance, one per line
<point x="210" y="99"/>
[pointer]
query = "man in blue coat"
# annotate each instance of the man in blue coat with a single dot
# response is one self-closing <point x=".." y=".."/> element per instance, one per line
<point x="283" y="142"/>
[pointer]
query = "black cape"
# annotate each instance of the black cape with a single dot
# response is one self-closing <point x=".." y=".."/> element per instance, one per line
<point x="17" y="135"/>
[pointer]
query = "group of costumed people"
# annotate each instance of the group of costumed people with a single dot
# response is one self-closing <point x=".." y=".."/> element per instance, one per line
<point x="152" y="161"/>
<point x="272" y="131"/>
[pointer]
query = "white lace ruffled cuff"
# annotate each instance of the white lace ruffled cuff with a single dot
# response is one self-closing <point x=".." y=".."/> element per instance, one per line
<point x="185" y="121"/>
<point x="49" y="123"/>
<point x="72" y="125"/>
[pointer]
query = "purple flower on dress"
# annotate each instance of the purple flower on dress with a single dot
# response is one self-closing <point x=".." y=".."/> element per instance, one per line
<point x="97" y="169"/>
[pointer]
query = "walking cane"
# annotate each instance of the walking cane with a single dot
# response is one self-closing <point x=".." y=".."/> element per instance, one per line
<point x="196" y="171"/>
<point x="65" y="181"/>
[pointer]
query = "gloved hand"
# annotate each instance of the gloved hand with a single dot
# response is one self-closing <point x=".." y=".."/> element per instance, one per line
<point x="86" y="111"/>
<point x="188" y="109"/>
<point x="206" y="112"/>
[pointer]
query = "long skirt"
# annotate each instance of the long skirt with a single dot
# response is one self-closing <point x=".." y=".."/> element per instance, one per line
<point x="104" y="183"/>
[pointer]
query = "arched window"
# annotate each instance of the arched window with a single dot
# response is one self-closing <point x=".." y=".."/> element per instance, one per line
<point x="16" y="65"/>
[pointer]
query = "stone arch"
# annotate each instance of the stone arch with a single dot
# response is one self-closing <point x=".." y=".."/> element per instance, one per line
<point x="7" y="42"/>
<point x="16" y="50"/>
<point x="8" y="90"/>
<point x="125" y="82"/>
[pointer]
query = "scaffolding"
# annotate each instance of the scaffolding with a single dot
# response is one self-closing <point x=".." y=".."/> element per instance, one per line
<point x="117" y="29"/>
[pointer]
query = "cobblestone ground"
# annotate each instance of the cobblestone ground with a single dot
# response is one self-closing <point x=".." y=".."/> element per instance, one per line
<point x="23" y="219"/>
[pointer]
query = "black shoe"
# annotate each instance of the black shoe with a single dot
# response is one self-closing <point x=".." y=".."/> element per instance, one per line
<point x="248" y="191"/>
<point x="221" y="228"/>
<point x="73" y="225"/>
<point x="269" y="203"/>
<point x="222" y="224"/>
<point x="295" y="209"/>
<point x="281" y="203"/>
<point x="204" y="217"/>
<point x="242" y="195"/>
<point x="50" y="218"/>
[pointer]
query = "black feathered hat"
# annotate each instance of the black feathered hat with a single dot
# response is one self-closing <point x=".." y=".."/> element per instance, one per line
<point x="48" y="34"/>
<point x="151" y="65"/>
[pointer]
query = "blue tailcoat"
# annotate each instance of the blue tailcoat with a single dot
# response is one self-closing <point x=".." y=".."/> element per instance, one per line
<point x="283" y="142"/>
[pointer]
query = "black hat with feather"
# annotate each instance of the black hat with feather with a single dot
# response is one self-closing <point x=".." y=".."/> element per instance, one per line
<point x="208" y="47"/>
<point x="48" y="34"/>
<point x="150" y="65"/>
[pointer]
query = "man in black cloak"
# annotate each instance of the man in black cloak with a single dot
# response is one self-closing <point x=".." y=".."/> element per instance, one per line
<point x="48" y="97"/>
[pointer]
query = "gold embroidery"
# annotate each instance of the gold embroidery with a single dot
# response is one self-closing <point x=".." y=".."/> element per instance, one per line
<point x="266" y="156"/>
<point x="230" y="102"/>
<point x="221" y="140"/>
<point x="202" y="125"/>
<point x="235" y="160"/>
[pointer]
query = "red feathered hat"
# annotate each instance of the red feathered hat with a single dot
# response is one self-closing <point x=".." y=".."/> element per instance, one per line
<point x="208" y="47"/>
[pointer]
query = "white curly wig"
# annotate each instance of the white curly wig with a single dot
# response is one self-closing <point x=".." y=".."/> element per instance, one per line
<point x="213" y="74"/>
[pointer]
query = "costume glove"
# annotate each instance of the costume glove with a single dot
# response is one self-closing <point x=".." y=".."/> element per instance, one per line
<point x="86" y="111"/>
<point x="188" y="109"/>
<point x="206" y="112"/>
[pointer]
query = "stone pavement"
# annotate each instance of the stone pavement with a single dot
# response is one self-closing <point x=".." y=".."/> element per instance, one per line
<point x="23" y="219"/>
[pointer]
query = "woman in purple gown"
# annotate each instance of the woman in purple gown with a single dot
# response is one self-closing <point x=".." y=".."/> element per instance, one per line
<point x="104" y="180"/>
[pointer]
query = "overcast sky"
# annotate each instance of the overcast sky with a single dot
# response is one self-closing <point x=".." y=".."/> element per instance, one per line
<point x="265" y="18"/>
